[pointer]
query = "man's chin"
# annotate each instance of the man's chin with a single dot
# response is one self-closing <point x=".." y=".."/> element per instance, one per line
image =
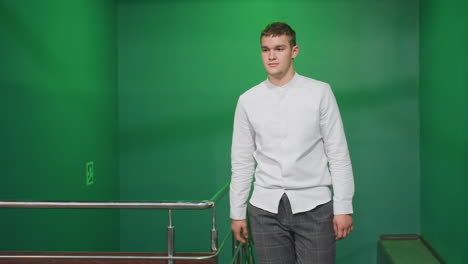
<point x="272" y="71"/>
<point x="275" y="74"/>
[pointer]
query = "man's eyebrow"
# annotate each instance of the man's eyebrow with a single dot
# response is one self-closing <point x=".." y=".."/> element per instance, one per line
<point x="278" y="46"/>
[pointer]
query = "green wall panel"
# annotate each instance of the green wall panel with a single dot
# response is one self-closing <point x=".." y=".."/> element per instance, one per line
<point x="182" y="65"/>
<point x="444" y="127"/>
<point x="58" y="111"/>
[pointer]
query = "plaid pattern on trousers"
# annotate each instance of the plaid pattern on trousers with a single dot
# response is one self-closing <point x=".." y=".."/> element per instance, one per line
<point x="284" y="238"/>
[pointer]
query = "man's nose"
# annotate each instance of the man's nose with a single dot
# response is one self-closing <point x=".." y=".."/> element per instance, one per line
<point x="272" y="55"/>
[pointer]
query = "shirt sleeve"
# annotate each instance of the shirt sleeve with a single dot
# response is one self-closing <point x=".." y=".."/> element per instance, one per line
<point x="336" y="150"/>
<point x="242" y="163"/>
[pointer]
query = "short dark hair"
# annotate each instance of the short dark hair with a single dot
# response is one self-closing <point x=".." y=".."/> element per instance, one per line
<point x="277" y="29"/>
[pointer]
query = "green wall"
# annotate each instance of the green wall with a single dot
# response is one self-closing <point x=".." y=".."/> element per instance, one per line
<point x="444" y="127"/>
<point x="178" y="68"/>
<point x="182" y="65"/>
<point x="58" y="111"/>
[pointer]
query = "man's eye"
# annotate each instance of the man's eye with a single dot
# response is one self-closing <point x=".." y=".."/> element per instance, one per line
<point x="280" y="49"/>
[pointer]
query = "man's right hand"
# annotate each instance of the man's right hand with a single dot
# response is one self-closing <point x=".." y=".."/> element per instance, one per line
<point x="239" y="229"/>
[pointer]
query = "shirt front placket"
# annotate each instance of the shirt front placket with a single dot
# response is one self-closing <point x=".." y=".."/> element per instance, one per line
<point x="282" y="126"/>
<point x="282" y="105"/>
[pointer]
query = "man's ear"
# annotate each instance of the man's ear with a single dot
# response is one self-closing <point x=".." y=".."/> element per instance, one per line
<point x="295" y="51"/>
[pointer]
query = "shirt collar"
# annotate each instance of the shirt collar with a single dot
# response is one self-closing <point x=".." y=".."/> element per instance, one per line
<point x="285" y="86"/>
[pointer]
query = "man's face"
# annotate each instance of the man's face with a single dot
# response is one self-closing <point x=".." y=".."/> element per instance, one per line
<point x="278" y="55"/>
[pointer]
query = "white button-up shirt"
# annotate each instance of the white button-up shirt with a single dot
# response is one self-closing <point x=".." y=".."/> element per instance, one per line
<point x="291" y="138"/>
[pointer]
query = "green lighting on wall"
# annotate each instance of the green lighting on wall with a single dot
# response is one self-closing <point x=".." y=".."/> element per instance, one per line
<point x="89" y="173"/>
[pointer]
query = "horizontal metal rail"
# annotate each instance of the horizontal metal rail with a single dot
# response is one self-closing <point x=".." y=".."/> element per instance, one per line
<point x="124" y="257"/>
<point x="108" y="205"/>
<point x="183" y="205"/>
<point x="108" y="257"/>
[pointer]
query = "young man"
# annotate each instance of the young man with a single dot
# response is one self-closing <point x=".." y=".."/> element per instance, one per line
<point x="289" y="134"/>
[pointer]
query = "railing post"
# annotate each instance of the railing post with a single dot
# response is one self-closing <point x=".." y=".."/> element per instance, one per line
<point x="239" y="258"/>
<point x="170" y="239"/>
<point x="234" y="248"/>
<point x="241" y="254"/>
<point x="214" y="232"/>
<point x="251" y="261"/>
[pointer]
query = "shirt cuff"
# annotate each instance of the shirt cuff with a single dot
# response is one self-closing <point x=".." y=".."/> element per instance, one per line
<point x="238" y="214"/>
<point x="342" y="207"/>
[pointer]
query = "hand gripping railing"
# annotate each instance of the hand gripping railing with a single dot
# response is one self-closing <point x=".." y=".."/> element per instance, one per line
<point x="200" y="205"/>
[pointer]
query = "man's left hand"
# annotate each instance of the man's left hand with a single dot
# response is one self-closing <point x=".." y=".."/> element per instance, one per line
<point x="343" y="225"/>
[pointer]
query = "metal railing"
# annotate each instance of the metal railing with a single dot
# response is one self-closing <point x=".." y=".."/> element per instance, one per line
<point x="198" y="205"/>
<point x="242" y="253"/>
